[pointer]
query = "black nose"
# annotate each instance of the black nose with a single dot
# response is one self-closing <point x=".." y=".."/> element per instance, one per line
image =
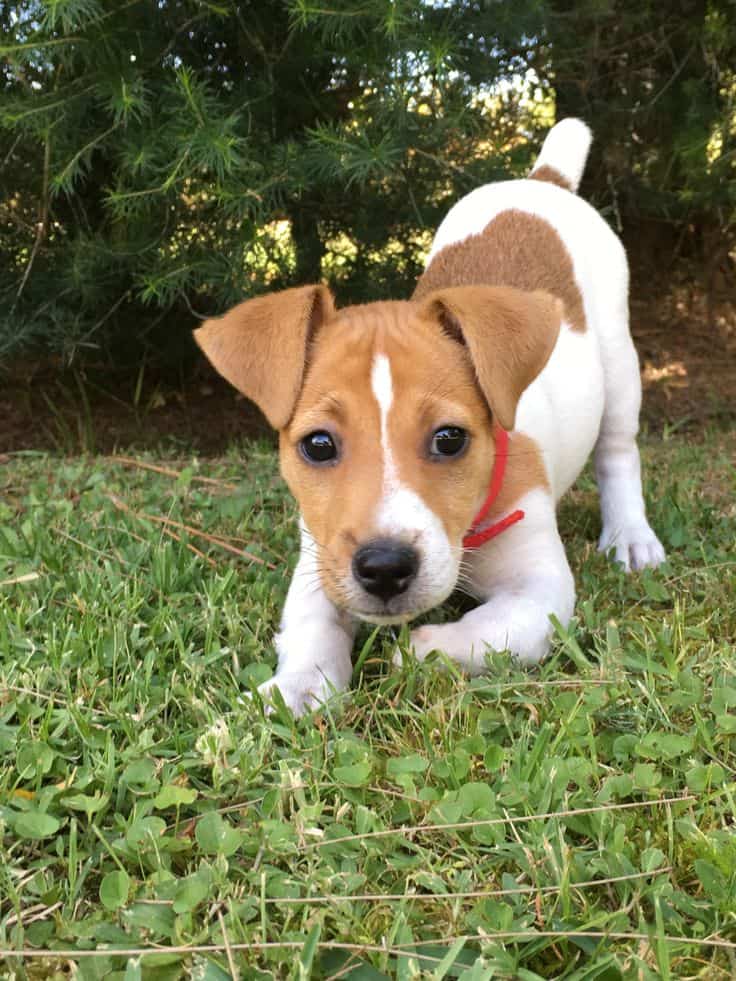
<point x="385" y="568"/>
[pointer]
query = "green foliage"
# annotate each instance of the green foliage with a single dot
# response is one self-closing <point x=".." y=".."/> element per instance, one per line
<point x="658" y="81"/>
<point x="162" y="160"/>
<point x="146" y="802"/>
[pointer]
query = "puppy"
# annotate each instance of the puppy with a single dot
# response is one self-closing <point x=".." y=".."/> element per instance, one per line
<point x="427" y="441"/>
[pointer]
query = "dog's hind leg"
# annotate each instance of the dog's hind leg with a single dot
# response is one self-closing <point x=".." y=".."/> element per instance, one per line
<point x="626" y="532"/>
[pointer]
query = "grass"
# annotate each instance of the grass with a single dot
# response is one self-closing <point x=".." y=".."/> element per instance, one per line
<point x="572" y="822"/>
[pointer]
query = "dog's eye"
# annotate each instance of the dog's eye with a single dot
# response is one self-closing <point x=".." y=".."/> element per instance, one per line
<point x="318" y="447"/>
<point x="448" y="441"/>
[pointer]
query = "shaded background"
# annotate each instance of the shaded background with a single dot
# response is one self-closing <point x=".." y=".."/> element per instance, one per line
<point x="162" y="160"/>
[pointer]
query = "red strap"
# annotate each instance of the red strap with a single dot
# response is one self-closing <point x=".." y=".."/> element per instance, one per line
<point x="474" y="538"/>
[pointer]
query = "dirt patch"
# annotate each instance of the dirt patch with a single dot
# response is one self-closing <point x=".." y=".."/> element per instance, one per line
<point x="687" y="347"/>
<point x="47" y="411"/>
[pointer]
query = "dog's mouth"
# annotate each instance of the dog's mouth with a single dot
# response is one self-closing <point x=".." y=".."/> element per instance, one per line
<point x="387" y="618"/>
<point x="399" y="609"/>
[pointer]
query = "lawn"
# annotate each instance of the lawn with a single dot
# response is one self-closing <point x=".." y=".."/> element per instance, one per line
<point x="571" y="822"/>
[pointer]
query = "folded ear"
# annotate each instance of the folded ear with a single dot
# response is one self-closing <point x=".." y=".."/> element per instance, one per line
<point x="509" y="334"/>
<point x="261" y="346"/>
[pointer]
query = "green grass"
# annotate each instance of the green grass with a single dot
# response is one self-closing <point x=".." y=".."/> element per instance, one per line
<point x="145" y="802"/>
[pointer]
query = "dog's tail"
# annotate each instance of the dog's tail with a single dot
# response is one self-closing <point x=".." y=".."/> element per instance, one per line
<point x="563" y="155"/>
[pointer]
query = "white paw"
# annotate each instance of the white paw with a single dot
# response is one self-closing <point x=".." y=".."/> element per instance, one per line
<point x="449" y="639"/>
<point x="512" y="622"/>
<point x="445" y="637"/>
<point x="635" y="546"/>
<point x="302" y="691"/>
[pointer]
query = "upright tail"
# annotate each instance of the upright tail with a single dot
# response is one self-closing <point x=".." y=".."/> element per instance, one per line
<point x="563" y="155"/>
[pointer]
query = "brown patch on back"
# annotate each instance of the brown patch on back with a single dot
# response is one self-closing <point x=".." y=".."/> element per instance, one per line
<point x="514" y="249"/>
<point x="551" y="176"/>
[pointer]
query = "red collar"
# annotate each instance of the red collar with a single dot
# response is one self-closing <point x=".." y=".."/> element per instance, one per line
<point x="474" y="537"/>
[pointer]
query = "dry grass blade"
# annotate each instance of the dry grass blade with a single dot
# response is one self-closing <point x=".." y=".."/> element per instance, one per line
<point x="561" y="683"/>
<point x="241" y="553"/>
<point x="432" y="897"/>
<point x="192" y="548"/>
<point x="228" y="948"/>
<point x="26" y="577"/>
<point x="396" y="950"/>
<point x="34" y="693"/>
<point x="32" y="914"/>
<point x="486" y="822"/>
<point x="128" y="461"/>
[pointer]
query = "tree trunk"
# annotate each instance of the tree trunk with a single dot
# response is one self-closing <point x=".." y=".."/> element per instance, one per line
<point x="308" y="245"/>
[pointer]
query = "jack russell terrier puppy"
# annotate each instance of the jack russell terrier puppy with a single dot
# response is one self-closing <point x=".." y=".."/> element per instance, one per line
<point x="427" y="441"/>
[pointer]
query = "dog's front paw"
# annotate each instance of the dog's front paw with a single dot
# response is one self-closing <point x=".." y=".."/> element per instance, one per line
<point x="438" y="637"/>
<point x="450" y="639"/>
<point x="514" y="622"/>
<point x="302" y="691"/>
<point x="635" y="546"/>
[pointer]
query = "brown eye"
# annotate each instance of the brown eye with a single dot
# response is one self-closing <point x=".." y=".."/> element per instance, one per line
<point x="318" y="447"/>
<point x="448" y="441"/>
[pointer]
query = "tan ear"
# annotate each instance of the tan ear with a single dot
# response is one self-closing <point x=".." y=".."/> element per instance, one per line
<point x="261" y="345"/>
<point x="509" y="334"/>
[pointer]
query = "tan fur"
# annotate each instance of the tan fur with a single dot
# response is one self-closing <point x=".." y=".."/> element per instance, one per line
<point x="515" y="249"/>
<point x="509" y="334"/>
<point x="260" y="346"/>
<point x="525" y="471"/>
<point x="433" y="385"/>
<point x="552" y="176"/>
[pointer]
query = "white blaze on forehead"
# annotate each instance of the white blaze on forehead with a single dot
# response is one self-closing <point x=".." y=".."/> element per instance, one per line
<point x="383" y="389"/>
<point x="382" y="384"/>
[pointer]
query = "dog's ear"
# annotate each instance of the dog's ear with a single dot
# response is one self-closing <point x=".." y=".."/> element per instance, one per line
<point x="509" y="334"/>
<point x="261" y="346"/>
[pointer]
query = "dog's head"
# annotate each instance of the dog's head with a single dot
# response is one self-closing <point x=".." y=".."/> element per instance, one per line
<point x="385" y="414"/>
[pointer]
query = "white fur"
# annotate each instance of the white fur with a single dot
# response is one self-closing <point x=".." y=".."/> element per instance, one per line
<point x="550" y="410"/>
<point x="383" y="389"/>
<point x="315" y="639"/>
<point x="566" y="149"/>
<point x="587" y="396"/>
